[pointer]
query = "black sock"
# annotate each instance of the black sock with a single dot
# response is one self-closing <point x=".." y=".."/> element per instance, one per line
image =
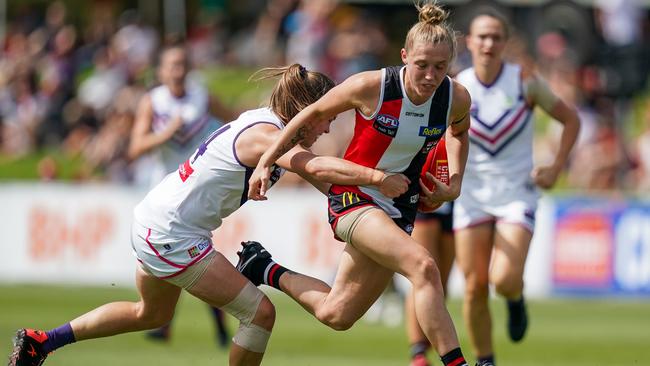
<point x="485" y="359"/>
<point x="257" y="269"/>
<point x="516" y="303"/>
<point x="454" y="358"/>
<point x="419" y="348"/>
<point x="219" y="320"/>
<point x="272" y="274"/>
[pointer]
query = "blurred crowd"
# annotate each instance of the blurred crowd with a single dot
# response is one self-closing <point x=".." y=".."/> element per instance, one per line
<point x="73" y="86"/>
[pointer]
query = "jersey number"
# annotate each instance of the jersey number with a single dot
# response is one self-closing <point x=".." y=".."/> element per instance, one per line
<point x="185" y="169"/>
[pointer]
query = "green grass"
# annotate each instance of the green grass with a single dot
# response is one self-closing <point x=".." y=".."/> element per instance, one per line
<point x="232" y="86"/>
<point x="563" y="332"/>
<point x="26" y="167"/>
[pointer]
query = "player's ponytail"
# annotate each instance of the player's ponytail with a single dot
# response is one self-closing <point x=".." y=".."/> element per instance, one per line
<point x="296" y="88"/>
<point x="432" y="27"/>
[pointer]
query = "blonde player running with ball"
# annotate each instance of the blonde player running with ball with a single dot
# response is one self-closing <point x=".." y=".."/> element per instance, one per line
<point x="401" y="113"/>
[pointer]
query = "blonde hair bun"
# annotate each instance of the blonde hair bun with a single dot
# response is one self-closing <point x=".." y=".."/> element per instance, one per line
<point x="431" y="13"/>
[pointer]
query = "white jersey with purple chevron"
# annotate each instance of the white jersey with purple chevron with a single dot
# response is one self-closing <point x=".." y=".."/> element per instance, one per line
<point x="194" y="109"/>
<point x="501" y="130"/>
<point x="209" y="186"/>
<point x="497" y="184"/>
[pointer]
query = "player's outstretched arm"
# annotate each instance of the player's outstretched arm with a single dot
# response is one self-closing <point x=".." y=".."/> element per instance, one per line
<point x="321" y="171"/>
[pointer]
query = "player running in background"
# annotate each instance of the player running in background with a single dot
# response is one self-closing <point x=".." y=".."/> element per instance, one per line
<point x="434" y="231"/>
<point x="173" y="225"/>
<point x="171" y="121"/>
<point x="401" y="113"/>
<point x="494" y="216"/>
<point x="174" y="117"/>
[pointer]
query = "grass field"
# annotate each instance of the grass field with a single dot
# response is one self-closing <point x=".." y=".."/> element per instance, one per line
<point x="563" y="332"/>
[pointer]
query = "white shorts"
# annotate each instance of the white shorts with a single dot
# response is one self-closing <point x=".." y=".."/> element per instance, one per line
<point x="511" y="202"/>
<point x="166" y="256"/>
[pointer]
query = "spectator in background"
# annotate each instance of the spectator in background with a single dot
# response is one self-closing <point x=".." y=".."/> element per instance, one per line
<point x="641" y="153"/>
<point x="57" y="70"/>
<point x="356" y="43"/>
<point x="619" y="21"/>
<point x="207" y="38"/>
<point x="87" y="114"/>
<point x="601" y="140"/>
<point x="22" y="112"/>
<point x="266" y="44"/>
<point x="107" y="150"/>
<point x="135" y="43"/>
<point x="97" y="33"/>
<point x="55" y="19"/>
<point x="622" y="53"/>
<point x="98" y="90"/>
<point x="308" y="29"/>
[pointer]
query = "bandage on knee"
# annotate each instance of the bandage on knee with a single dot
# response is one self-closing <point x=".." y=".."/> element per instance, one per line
<point x="252" y="337"/>
<point x="244" y="307"/>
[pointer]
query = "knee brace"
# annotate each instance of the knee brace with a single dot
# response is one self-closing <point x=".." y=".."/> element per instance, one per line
<point x="244" y="307"/>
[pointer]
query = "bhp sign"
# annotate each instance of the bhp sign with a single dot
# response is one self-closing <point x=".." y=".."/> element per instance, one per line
<point x="52" y="233"/>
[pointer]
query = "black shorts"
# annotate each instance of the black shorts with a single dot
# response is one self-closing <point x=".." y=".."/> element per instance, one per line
<point x="444" y="214"/>
<point x="340" y="204"/>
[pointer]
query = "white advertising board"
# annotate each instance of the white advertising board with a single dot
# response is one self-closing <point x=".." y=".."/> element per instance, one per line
<point x="80" y="234"/>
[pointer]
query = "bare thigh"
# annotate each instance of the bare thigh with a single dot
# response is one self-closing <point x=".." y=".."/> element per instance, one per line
<point x="511" y="246"/>
<point x="220" y="283"/>
<point x="378" y="237"/>
<point x="157" y="295"/>
<point x="474" y="251"/>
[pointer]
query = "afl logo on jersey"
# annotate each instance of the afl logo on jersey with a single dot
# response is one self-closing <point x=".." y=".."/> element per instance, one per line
<point x="386" y="124"/>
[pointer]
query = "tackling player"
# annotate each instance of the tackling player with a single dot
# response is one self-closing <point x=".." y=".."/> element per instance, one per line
<point x="172" y="231"/>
